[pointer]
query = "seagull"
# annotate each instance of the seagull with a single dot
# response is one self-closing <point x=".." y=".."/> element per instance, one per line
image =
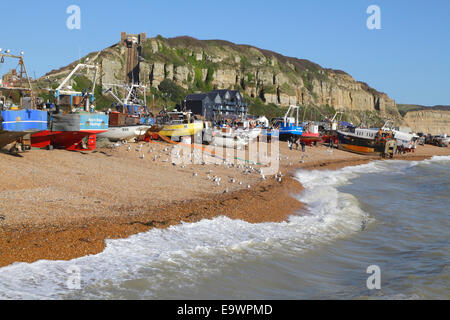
<point x="142" y="156"/>
<point x="263" y="177"/>
<point x="240" y="183"/>
<point x="129" y="148"/>
<point x="195" y="174"/>
<point x="225" y="191"/>
<point x="363" y="225"/>
<point x="233" y="180"/>
<point x="248" y="186"/>
<point x="279" y="179"/>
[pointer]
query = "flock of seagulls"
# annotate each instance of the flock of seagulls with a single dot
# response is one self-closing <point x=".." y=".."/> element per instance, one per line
<point x="247" y="168"/>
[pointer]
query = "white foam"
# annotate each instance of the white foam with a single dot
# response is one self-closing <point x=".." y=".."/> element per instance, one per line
<point x="439" y="158"/>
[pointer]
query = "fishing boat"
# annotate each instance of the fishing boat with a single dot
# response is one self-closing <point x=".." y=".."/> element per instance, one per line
<point x="177" y="124"/>
<point x="366" y="140"/>
<point x="289" y="127"/>
<point x="124" y="133"/>
<point x="130" y="120"/>
<point x="77" y="128"/>
<point x="328" y="129"/>
<point x="405" y="141"/>
<point x="310" y="133"/>
<point x="229" y="138"/>
<point x="244" y="128"/>
<point x="18" y="121"/>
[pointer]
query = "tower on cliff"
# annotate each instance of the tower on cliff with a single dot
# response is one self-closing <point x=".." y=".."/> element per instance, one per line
<point x="133" y="43"/>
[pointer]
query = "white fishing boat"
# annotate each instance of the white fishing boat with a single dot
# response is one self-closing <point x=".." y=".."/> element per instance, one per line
<point x="404" y="140"/>
<point x="124" y="133"/>
<point x="131" y="119"/>
<point x="250" y="133"/>
<point x="229" y="138"/>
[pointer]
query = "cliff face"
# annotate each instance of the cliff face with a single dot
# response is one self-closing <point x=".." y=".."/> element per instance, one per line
<point x="429" y="121"/>
<point x="258" y="73"/>
<point x="209" y="64"/>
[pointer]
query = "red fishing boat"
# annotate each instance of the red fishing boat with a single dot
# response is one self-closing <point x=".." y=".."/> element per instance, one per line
<point x="76" y="128"/>
<point x="328" y="130"/>
<point x="310" y="134"/>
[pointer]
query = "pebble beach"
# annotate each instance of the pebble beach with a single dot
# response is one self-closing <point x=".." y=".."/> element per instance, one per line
<point x="59" y="205"/>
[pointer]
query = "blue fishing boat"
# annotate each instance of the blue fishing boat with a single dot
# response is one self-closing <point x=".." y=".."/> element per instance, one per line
<point x="290" y="127"/>
<point x="19" y="121"/>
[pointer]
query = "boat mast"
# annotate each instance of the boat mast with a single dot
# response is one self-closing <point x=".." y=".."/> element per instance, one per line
<point x="23" y="69"/>
<point x="59" y="91"/>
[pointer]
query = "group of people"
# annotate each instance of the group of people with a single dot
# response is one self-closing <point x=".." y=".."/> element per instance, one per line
<point x="293" y="140"/>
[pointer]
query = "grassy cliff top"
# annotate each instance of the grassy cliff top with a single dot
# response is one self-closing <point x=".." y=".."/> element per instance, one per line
<point x="404" y="108"/>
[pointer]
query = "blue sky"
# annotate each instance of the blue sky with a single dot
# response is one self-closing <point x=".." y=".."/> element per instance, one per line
<point x="409" y="58"/>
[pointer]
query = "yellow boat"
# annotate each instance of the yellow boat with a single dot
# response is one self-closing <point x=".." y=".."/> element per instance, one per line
<point x="181" y="130"/>
<point x="181" y="124"/>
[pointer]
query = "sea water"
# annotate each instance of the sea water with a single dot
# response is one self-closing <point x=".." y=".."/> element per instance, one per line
<point x="390" y="214"/>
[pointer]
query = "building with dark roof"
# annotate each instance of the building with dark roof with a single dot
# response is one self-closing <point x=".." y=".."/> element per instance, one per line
<point x="217" y="104"/>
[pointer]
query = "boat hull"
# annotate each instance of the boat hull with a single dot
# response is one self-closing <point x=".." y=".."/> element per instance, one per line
<point x="120" y="133"/>
<point x="285" y="132"/>
<point x="359" y="145"/>
<point x="8" y="137"/>
<point x="309" y="138"/>
<point x="357" y="149"/>
<point x="18" y="123"/>
<point x="71" y="131"/>
<point x="180" y="130"/>
<point x="68" y="140"/>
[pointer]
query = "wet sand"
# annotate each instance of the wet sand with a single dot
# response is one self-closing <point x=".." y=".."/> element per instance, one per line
<point x="60" y="205"/>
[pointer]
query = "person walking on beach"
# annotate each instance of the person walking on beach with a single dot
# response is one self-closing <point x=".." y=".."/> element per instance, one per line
<point x="303" y="144"/>
<point x="296" y="143"/>
<point x="290" y="143"/>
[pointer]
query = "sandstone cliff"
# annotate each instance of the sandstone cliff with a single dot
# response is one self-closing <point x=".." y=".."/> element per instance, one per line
<point x="429" y="121"/>
<point x="197" y="65"/>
